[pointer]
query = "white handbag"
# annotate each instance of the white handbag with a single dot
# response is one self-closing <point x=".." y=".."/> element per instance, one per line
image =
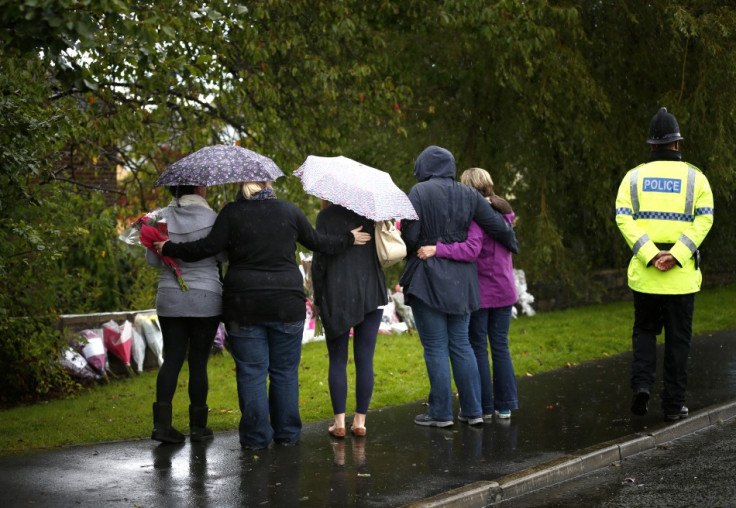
<point x="389" y="245"/>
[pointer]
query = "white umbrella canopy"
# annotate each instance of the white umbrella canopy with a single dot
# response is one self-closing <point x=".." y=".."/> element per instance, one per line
<point x="367" y="191"/>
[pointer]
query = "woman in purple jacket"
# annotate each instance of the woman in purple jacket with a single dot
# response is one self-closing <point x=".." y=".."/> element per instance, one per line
<point x="497" y="297"/>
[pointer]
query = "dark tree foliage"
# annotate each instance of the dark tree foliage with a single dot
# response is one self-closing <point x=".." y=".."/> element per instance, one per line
<point x="552" y="97"/>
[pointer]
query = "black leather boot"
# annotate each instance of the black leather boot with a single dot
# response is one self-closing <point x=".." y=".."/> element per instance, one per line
<point x="162" y="429"/>
<point x="198" y="430"/>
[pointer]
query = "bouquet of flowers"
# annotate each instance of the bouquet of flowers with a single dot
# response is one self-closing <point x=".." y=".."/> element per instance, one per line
<point x="152" y="228"/>
<point x="90" y="345"/>
<point x="118" y="340"/>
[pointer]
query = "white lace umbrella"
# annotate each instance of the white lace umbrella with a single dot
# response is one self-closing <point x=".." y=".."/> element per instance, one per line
<point x="367" y="191"/>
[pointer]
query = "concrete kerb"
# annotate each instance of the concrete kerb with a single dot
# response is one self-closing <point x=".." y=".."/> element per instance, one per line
<point x="722" y="413"/>
<point x="486" y="493"/>
<point x="473" y="494"/>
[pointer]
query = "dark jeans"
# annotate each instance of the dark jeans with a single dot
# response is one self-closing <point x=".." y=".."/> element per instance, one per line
<point x="364" y="347"/>
<point x="674" y="313"/>
<point x="182" y="335"/>
<point x="267" y="359"/>
<point x="497" y="392"/>
<point x="445" y="340"/>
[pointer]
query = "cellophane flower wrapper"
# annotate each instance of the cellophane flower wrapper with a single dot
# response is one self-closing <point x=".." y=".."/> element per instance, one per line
<point x="151" y="329"/>
<point x="76" y="365"/>
<point x="151" y="228"/>
<point x="131" y="235"/>
<point x="118" y="340"/>
<point x="148" y="236"/>
<point x="138" y="349"/>
<point x="91" y="346"/>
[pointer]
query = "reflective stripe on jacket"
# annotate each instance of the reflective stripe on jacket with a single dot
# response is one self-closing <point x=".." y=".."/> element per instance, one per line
<point x="665" y="205"/>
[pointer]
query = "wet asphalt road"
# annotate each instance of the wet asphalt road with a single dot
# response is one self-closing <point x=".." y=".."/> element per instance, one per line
<point x="396" y="464"/>
<point x="695" y="470"/>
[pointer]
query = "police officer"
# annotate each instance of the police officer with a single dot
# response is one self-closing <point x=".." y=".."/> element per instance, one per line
<point x="664" y="210"/>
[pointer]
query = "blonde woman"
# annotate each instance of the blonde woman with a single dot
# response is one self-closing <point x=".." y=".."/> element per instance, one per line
<point x="490" y="323"/>
<point x="264" y="304"/>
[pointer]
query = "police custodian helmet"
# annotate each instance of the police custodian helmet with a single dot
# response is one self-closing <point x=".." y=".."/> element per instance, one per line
<point x="663" y="129"/>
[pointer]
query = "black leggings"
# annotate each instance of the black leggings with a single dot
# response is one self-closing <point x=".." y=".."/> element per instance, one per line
<point x="364" y="346"/>
<point x="181" y="334"/>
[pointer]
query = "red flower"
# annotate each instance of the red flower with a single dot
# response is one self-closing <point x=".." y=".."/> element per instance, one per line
<point x="155" y="231"/>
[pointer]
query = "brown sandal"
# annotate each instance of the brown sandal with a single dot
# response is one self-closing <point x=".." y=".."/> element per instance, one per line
<point x="358" y="431"/>
<point x="336" y="431"/>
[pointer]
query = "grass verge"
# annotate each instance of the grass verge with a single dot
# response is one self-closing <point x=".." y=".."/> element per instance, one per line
<point x="122" y="409"/>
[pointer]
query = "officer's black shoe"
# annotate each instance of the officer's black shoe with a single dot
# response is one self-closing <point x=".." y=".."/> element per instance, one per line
<point x="683" y="413"/>
<point x="640" y="403"/>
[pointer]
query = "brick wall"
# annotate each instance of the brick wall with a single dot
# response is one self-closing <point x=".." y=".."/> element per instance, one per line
<point x="99" y="175"/>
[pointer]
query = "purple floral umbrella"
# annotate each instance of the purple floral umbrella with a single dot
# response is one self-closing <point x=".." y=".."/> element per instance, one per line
<point x="219" y="164"/>
<point x="367" y="191"/>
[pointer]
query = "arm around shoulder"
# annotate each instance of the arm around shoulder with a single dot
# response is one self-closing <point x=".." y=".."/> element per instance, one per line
<point x="468" y="250"/>
<point x="212" y="244"/>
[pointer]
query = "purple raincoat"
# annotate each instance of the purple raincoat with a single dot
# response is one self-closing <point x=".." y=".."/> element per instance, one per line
<point x="494" y="263"/>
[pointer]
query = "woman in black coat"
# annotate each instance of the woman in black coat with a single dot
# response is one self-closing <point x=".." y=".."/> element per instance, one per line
<point x="349" y="288"/>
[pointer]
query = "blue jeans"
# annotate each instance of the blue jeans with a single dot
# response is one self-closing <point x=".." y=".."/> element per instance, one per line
<point x="273" y="351"/>
<point x="492" y="325"/>
<point x="442" y="336"/>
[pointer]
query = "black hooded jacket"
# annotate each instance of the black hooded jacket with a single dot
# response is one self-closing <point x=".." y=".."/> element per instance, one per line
<point x="446" y="208"/>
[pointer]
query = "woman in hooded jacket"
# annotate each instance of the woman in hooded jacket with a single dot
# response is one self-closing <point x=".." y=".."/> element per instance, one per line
<point x="443" y="292"/>
<point x="490" y="323"/>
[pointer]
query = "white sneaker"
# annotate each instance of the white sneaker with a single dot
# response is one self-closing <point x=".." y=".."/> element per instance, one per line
<point x="475" y="420"/>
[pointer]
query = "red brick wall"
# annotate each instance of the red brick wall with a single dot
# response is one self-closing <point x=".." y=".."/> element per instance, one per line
<point x="96" y="176"/>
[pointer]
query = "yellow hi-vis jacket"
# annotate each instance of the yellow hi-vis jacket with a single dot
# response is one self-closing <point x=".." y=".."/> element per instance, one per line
<point x="664" y="205"/>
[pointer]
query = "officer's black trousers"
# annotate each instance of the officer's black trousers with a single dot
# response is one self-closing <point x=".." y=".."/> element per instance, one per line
<point x="651" y="314"/>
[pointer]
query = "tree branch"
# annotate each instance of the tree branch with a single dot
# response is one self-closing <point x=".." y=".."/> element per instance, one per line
<point x="88" y="186"/>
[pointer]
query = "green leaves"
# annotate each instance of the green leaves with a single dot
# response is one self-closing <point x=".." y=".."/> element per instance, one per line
<point x="553" y="99"/>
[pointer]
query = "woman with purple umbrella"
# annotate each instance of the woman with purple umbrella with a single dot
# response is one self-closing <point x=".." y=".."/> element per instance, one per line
<point x="264" y="303"/>
<point x="188" y="319"/>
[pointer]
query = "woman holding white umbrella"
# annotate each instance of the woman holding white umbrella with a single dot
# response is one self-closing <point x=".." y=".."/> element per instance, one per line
<point x="349" y="287"/>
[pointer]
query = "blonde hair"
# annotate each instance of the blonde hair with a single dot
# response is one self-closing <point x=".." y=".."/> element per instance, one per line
<point x="480" y="179"/>
<point x="251" y="188"/>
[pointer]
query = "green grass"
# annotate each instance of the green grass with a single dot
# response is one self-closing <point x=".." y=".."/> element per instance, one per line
<point x="550" y="340"/>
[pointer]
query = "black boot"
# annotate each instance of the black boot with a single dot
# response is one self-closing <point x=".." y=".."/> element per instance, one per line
<point x="162" y="429"/>
<point x="198" y="430"/>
